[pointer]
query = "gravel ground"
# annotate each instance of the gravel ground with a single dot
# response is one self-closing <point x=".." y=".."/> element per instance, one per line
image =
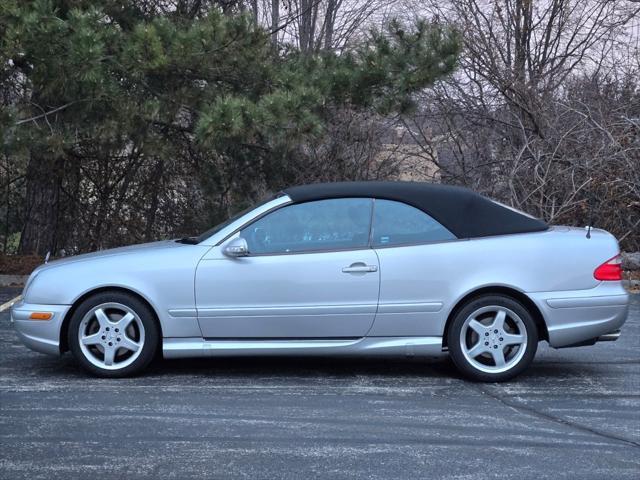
<point x="574" y="414"/>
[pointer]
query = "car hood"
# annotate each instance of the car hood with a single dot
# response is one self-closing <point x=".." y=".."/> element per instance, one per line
<point x="162" y="244"/>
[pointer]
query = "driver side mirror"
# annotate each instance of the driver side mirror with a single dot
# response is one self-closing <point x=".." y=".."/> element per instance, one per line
<point x="236" y="248"/>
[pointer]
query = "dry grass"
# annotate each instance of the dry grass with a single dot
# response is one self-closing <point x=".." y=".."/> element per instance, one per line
<point x="19" y="264"/>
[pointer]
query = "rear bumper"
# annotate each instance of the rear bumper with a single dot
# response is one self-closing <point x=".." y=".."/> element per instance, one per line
<point x="607" y="337"/>
<point x="39" y="335"/>
<point x="583" y="316"/>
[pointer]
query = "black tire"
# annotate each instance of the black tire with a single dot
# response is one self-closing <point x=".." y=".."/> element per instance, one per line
<point x="146" y="316"/>
<point x="461" y="361"/>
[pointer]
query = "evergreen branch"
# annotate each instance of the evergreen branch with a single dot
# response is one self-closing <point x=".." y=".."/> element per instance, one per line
<point x="50" y="112"/>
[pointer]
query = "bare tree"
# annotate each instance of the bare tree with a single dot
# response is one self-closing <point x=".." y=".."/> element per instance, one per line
<point x="543" y="111"/>
<point x="313" y="25"/>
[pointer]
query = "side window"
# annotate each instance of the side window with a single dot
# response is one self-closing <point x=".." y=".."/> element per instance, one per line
<point x="341" y="223"/>
<point x="396" y="223"/>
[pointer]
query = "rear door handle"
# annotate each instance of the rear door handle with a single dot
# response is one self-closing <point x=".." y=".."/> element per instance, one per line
<point x="360" y="267"/>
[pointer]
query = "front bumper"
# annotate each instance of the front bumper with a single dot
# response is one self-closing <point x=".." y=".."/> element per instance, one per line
<point x="39" y="335"/>
<point x="583" y="316"/>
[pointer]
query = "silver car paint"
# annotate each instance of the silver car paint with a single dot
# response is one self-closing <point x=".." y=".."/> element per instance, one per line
<point x="424" y="276"/>
<point x="279" y="296"/>
<point x="199" y="293"/>
<point x="41" y="336"/>
<point x="161" y="272"/>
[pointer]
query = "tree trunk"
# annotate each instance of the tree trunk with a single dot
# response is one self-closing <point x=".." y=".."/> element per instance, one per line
<point x="275" y="20"/>
<point x="307" y="24"/>
<point x="155" y="201"/>
<point x="329" y="20"/>
<point x="44" y="177"/>
<point x="254" y="10"/>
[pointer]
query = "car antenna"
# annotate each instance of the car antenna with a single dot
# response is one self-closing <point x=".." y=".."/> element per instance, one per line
<point x="589" y="213"/>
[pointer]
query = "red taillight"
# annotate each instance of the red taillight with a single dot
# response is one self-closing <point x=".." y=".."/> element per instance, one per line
<point x="609" y="270"/>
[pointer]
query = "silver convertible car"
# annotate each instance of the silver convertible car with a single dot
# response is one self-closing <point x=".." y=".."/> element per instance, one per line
<point x="363" y="268"/>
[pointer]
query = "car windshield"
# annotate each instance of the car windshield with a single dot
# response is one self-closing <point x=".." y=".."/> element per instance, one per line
<point x="203" y="236"/>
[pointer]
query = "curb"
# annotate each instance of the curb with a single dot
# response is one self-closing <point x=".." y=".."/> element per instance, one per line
<point x="6" y="306"/>
<point x="13" y="280"/>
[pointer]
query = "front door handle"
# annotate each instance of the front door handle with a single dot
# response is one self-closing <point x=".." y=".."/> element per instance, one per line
<point x="360" y="267"/>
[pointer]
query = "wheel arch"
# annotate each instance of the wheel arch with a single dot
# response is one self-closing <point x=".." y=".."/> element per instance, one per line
<point x="529" y="304"/>
<point x="74" y="306"/>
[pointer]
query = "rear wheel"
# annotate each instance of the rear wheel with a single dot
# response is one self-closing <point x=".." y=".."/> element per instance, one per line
<point x="492" y="338"/>
<point x="113" y="334"/>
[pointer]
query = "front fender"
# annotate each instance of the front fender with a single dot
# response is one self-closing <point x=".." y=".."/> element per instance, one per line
<point x="163" y="277"/>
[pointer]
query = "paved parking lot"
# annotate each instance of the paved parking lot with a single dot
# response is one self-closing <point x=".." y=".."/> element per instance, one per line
<point x="575" y="414"/>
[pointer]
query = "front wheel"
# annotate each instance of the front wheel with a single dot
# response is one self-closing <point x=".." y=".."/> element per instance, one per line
<point x="492" y="338"/>
<point x="113" y="334"/>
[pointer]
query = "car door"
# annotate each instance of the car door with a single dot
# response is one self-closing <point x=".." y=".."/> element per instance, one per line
<point x="309" y="273"/>
<point x="415" y="254"/>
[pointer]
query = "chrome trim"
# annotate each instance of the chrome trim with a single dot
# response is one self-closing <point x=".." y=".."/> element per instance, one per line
<point x="609" y="337"/>
<point x="581" y="302"/>
<point x="306" y="252"/>
<point x="183" y="312"/>
<point x="395" y="346"/>
<point x="417" y="307"/>
<point x="286" y="311"/>
<point x="360" y="267"/>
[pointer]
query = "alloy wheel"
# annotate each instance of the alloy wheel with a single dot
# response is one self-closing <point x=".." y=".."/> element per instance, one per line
<point x="111" y="336"/>
<point x="493" y="339"/>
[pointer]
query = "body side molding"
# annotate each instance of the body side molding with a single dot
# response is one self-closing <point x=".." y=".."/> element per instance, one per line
<point x="401" y="346"/>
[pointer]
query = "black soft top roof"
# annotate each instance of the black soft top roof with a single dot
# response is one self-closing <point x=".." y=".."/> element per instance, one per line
<point x="465" y="213"/>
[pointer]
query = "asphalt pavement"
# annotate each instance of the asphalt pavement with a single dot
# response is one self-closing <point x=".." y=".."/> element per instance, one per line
<point x="574" y="414"/>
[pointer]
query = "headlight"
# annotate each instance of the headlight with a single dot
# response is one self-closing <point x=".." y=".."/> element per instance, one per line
<point x="30" y="280"/>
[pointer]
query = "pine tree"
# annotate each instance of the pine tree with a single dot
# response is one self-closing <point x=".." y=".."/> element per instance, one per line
<point x="92" y="79"/>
